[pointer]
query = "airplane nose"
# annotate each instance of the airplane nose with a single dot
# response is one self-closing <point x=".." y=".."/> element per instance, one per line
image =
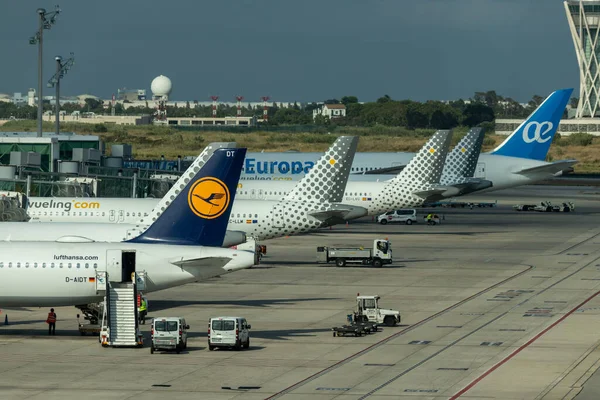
<point x="241" y="260"/>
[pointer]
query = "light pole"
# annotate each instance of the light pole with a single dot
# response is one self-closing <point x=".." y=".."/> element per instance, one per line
<point x="61" y="71"/>
<point x="38" y="39"/>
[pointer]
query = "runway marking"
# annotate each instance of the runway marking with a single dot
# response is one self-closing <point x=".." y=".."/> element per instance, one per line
<point x="395" y="335"/>
<point x="517" y="351"/>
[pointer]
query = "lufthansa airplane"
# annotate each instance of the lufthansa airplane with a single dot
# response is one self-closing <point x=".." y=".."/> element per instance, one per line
<point x="519" y="160"/>
<point x="177" y="248"/>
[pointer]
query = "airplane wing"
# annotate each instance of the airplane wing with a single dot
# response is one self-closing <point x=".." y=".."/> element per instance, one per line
<point x="202" y="262"/>
<point x="551" y="169"/>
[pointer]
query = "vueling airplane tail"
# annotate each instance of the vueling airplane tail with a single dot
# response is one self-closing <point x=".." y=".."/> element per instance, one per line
<point x="326" y="180"/>
<point x="427" y="165"/>
<point x="196" y="211"/>
<point x="460" y="167"/>
<point x="419" y="178"/>
<point x="533" y="137"/>
<point x="462" y="160"/>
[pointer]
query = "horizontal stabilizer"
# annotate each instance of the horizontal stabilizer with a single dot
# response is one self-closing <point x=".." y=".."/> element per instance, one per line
<point x="203" y="262"/>
<point x="383" y="171"/>
<point x="339" y="212"/>
<point x="424" y="194"/>
<point x="550" y="169"/>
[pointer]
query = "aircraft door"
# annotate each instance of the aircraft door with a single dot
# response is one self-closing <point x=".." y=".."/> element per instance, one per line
<point x="112" y="216"/>
<point x="121" y="216"/>
<point x="261" y="194"/>
<point x="278" y="216"/>
<point x="120" y="265"/>
<point x="480" y="170"/>
<point x="253" y="193"/>
<point x="113" y="265"/>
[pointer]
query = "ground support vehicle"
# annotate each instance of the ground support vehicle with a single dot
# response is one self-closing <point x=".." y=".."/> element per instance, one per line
<point x="347" y="330"/>
<point x="379" y="254"/>
<point x="367" y="310"/>
<point x="404" y="216"/>
<point x="168" y="334"/>
<point x="228" y="332"/>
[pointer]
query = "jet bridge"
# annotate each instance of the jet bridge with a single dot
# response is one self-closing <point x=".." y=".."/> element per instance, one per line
<point x="120" y="283"/>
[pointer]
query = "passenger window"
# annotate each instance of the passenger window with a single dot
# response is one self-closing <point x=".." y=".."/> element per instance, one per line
<point x="70" y="265"/>
<point x="26" y="265"/>
<point x="87" y="265"/>
<point x="18" y="265"/>
<point x="43" y="265"/>
<point x="52" y="265"/>
<point x="95" y="265"/>
<point x="1" y="264"/>
<point x="60" y="265"/>
<point x="34" y="265"/>
<point x="9" y="265"/>
<point x="78" y="265"/>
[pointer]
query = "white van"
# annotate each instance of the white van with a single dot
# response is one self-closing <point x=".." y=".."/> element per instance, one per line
<point x="407" y="216"/>
<point x="168" y="333"/>
<point x="228" y="332"/>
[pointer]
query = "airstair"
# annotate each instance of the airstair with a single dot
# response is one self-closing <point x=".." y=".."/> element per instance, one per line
<point x="120" y="323"/>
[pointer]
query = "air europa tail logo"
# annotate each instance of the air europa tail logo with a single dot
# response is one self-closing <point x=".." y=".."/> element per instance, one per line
<point x="209" y="198"/>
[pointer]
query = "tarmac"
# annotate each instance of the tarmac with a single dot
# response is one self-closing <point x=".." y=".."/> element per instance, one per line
<point x="495" y="304"/>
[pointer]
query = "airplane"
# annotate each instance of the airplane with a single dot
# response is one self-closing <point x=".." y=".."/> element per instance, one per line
<point x="412" y="187"/>
<point x="308" y="210"/>
<point x="177" y="248"/>
<point x="421" y="181"/>
<point x="519" y="160"/>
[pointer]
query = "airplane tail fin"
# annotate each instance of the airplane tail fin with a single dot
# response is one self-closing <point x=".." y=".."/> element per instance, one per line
<point x="533" y="137"/>
<point x="427" y="165"/>
<point x="462" y="160"/>
<point x="196" y="210"/>
<point x="326" y="180"/>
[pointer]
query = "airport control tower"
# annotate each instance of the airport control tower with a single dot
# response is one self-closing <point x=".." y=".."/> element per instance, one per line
<point x="584" y="21"/>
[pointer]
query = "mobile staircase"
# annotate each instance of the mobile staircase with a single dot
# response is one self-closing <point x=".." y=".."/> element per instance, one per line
<point x="120" y="322"/>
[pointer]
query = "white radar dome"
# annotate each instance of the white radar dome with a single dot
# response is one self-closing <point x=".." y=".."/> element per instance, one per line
<point x="161" y="86"/>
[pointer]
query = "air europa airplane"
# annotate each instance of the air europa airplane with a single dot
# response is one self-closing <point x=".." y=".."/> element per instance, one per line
<point x="176" y="248"/>
<point x="519" y="160"/>
<point x="260" y="219"/>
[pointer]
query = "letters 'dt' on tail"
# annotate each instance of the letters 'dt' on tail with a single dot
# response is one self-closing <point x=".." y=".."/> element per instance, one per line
<point x="198" y="212"/>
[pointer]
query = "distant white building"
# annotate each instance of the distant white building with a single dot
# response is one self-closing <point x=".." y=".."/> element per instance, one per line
<point x="330" y="110"/>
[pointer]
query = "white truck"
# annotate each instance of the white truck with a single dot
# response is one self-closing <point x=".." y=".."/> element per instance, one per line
<point x="379" y="254"/>
<point x="367" y="310"/>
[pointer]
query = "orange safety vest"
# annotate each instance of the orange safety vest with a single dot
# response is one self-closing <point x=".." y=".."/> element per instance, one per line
<point x="51" y="318"/>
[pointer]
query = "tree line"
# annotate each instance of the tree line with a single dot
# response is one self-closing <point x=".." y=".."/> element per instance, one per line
<point x="481" y="108"/>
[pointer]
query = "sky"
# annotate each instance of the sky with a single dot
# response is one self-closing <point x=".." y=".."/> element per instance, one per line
<point x="309" y="50"/>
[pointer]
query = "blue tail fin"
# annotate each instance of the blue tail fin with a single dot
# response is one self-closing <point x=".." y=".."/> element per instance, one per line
<point x="533" y="137"/>
<point x="198" y="213"/>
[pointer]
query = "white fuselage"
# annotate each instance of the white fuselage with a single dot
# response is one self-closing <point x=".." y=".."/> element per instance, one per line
<point x="58" y="274"/>
<point x="261" y="170"/>
<point x="361" y="190"/>
<point x="116" y="219"/>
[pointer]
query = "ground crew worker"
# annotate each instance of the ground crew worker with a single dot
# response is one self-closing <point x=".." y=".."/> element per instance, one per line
<point x="143" y="310"/>
<point x="51" y="321"/>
